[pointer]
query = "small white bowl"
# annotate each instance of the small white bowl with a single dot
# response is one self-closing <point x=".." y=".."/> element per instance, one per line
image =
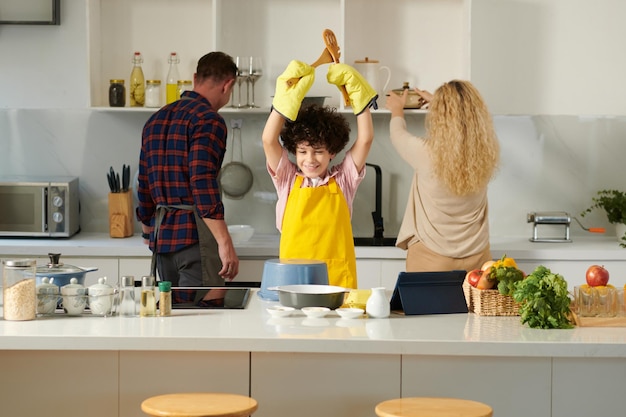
<point x="240" y="233"/>
<point x="350" y="313"/>
<point x="280" y="311"/>
<point x="315" y="312"/>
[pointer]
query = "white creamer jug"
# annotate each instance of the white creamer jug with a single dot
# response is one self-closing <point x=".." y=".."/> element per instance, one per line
<point x="372" y="71"/>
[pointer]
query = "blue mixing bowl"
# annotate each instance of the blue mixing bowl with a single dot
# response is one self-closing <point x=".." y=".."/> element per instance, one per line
<point x="278" y="272"/>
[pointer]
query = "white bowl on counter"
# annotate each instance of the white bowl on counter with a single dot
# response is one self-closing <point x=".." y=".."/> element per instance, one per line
<point x="280" y="311"/>
<point x="350" y="312"/>
<point x="240" y="233"/>
<point x="315" y="312"/>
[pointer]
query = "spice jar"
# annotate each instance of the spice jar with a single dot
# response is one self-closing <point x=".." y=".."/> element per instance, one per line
<point x="117" y="93"/>
<point x="165" y="298"/>
<point x="74" y="297"/>
<point x="153" y="93"/>
<point x="147" y="307"/>
<point x="101" y="298"/>
<point x="127" y="296"/>
<point x="19" y="289"/>
<point x="47" y="296"/>
<point x="183" y="85"/>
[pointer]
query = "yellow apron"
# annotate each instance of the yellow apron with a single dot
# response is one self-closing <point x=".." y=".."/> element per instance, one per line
<point x="316" y="225"/>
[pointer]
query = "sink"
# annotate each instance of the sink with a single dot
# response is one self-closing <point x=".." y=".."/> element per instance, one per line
<point x="374" y="241"/>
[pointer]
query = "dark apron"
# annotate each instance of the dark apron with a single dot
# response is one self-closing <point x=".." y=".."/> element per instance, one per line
<point x="209" y="254"/>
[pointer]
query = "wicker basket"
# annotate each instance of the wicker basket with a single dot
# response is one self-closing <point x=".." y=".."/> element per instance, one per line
<point x="489" y="302"/>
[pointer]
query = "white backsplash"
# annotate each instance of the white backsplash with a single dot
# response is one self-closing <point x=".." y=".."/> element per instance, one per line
<point x="548" y="163"/>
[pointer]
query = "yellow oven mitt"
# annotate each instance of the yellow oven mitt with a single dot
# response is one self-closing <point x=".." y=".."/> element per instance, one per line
<point x="361" y="93"/>
<point x="287" y="99"/>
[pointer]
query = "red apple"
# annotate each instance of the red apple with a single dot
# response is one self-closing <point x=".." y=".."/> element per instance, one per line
<point x="473" y="276"/>
<point x="597" y="276"/>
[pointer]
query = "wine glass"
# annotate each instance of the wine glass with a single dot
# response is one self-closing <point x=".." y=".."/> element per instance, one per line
<point x="256" y="71"/>
<point x="243" y="71"/>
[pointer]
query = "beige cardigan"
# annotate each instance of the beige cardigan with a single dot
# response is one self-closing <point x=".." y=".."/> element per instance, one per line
<point x="450" y="225"/>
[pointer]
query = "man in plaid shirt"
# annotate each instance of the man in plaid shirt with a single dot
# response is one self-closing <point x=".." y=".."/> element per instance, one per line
<point x="180" y="206"/>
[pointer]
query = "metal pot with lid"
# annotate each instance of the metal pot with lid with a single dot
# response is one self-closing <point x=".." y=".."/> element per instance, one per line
<point x="61" y="273"/>
<point x="413" y="100"/>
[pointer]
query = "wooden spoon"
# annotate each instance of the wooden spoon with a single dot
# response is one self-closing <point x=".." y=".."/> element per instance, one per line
<point x="331" y="45"/>
<point x="325" y="58"/>
<point x="330" y="54"/>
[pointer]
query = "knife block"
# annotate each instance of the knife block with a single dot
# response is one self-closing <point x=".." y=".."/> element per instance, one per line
<point x="121" y="214"/>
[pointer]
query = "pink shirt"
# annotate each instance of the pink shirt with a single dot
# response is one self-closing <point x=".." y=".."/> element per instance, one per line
<point x="345" y="174"/>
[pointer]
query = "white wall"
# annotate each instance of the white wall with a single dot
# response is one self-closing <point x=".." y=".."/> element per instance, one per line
<point x="45" y="66"/>
<point x="548" y="162"/>
<point x="550" y="57"/>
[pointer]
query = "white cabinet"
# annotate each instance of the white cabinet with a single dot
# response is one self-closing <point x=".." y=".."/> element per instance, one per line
<point x="312" y="385"/>
<point x="425" y="42"/>
<point x="469" y="377"/>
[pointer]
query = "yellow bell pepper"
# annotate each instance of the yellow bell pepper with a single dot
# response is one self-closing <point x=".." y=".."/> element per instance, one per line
<point x="504" y="262"/>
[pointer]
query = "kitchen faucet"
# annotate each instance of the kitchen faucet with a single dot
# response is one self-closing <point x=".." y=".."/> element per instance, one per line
<point x="377" y="214"/>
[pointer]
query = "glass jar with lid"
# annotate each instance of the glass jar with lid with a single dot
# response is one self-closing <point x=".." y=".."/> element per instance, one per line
<point x="183" y="85"/>
<point x="117" y="93"/>
<point x="153" y="93"/>
<point x="19" y="289"/>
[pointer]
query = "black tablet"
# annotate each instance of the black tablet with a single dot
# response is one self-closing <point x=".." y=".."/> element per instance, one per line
<point x="429" y="293"/>
<point x="209" y="297"/>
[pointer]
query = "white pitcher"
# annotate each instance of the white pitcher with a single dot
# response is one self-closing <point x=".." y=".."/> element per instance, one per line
<point x="377" y="305"/>
<point x="372" y="71"/>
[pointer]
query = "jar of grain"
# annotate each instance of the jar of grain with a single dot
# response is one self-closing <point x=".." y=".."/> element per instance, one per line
<point x="153" y="93"/>
<point x="19" y="289"/>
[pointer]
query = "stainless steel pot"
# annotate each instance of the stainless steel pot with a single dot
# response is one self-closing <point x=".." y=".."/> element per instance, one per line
<point x="61" y="274"/>
<point x="299" y="296"/>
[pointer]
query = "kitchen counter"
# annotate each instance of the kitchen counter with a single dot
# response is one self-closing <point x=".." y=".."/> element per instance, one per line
<point x="596" y="248"/>
<point x="310" y="367"/>
<point x="253" y="330"/>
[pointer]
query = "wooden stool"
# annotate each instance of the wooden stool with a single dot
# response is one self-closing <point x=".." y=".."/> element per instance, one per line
<point x="199" y="404"/>
<point x="432" y="407"/>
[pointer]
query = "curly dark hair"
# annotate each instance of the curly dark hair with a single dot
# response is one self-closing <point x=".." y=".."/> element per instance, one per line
<point x="318" y="126"/>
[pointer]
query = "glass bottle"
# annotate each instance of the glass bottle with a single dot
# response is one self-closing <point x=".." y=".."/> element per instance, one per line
<point x="165" y="298"/>
<point x="117" y="93"/>
<point x="153" y="93"/>
<point x="127" y="297"/>
<point x="183" y="85"/>
<point x="171" y="85"/>
<point x="137" y="83"/>
<point x="19" y="289"/>
<point x="147" y="307"/>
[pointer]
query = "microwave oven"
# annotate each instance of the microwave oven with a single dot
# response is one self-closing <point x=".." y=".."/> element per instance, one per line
<point x="39" y="206"/>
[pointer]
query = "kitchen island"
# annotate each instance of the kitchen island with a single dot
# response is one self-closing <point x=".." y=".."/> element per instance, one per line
<point x="105" y="366"/>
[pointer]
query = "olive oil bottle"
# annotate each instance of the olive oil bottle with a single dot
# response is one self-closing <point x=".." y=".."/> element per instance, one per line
<point x="171" y="86"/>
<point x="137" y="83"/>
<point x="147" y="307"/>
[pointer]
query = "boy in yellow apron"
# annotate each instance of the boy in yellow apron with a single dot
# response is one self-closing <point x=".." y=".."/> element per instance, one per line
<point x="314" y="204"/>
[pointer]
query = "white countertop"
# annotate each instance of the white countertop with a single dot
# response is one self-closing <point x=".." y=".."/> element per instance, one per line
<point x="593" y="248"/>
<point x="253" y="330"/>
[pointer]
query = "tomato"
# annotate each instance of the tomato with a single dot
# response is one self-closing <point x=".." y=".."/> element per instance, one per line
<point x="473" y="277"/>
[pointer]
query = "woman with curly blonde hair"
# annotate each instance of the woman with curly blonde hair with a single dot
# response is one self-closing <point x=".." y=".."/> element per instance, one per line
<point x="446" y="224"/>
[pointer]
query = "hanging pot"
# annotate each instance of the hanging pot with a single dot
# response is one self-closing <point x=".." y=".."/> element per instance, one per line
<point x="61" y="274"/>
<point x="235" y="178"/>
